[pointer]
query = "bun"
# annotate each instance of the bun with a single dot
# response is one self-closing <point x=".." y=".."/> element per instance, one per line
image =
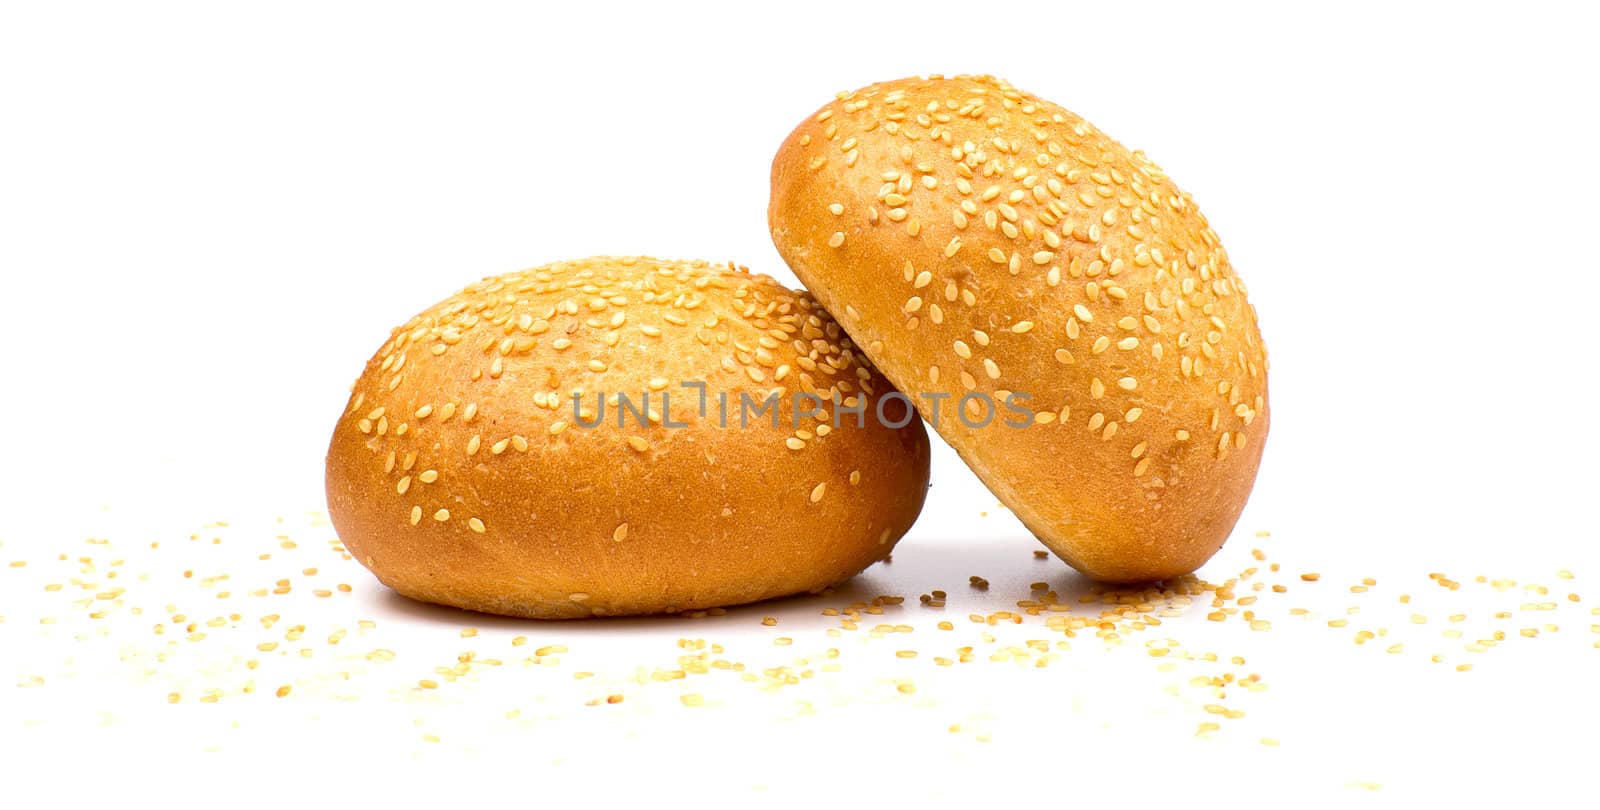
<point x="461" y="474"/>
<point x="975" y="239"/>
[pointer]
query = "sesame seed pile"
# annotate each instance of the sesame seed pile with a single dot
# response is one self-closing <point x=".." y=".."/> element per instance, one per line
<point x="139" y="626"/>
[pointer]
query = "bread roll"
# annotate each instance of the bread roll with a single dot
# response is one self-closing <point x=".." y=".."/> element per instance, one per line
<point x="461" y="473"/>
<point x="975" y="239"/>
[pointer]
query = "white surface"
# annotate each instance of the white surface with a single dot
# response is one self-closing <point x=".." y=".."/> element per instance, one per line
<point x="209" y="217"/>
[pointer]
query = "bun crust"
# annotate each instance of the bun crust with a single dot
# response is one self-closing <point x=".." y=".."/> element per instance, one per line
<point x="460" y="473"/>
<point x="974" y="238"/>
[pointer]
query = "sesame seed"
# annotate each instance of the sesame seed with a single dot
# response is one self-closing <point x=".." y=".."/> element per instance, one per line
<point x="620" y="533"/>
<point x="836" y="240"/>
<point x="442" y="515"/>
<point x="818" y="490"/>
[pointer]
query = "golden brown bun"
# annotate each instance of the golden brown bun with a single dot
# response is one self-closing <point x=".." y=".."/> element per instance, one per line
<point x="971" y="237"/>
<point x="459" y="473"/>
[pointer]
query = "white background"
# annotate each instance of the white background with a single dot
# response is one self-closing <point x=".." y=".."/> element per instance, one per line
<point x="211" y="214"/>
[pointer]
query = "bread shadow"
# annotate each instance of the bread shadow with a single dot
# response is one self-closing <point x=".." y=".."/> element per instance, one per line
<point x="1009" y="569"/>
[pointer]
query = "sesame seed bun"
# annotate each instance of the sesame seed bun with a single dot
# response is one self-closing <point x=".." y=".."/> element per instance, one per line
<point x="460" y="472"/>
<point x="974" y="238"/>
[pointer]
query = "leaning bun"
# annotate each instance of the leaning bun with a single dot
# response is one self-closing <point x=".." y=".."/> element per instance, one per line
<point x="460" y="472"/>
<point x="974" y="238"/>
